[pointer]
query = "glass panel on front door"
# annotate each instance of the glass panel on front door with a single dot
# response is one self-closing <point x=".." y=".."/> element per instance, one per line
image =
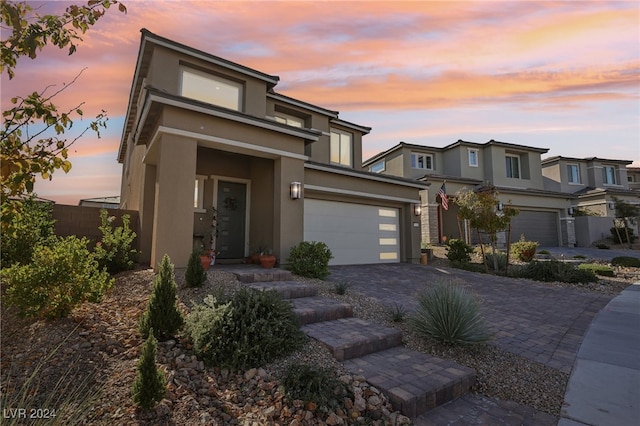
<point x="231" y="204"/>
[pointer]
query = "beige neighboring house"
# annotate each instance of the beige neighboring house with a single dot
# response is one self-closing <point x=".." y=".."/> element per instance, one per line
<point x="203" y="131"/>
<point x="633" y="177"/>
<point x="515" y="170"/>
<point x="594" y="182"/>
<point x="112" y="202"/>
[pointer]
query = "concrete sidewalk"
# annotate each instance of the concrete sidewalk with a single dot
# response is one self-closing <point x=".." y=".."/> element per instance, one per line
<point x="604" y="387"/>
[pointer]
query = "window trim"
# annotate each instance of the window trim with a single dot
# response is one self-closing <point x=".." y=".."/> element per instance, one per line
<point x="477" y="152"/>
<point x="416" y="155"/>
<point x="614" y="175"/>
<point x="519" y="172"/>
<point x="569" y="181"/>
<point x="213" y="77"/>
<point x="340" y="134"/>
<point x="382" y="162"/>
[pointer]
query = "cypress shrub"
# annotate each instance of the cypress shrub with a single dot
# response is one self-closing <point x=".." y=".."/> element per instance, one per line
<point x="149" y="386"/>
<point x="162" y="314"/>
<point x="195" y="275"/>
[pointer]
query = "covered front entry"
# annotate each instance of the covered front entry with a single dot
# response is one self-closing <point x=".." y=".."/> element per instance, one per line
<point x="355" y="233"/>
<point x="231" y="220"/>
<point x="537" y="226"/>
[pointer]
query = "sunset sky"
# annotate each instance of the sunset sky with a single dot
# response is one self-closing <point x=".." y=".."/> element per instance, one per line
<point x="558" y="75"/>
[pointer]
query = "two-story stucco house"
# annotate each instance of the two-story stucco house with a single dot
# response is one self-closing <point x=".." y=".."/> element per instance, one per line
<point x="515" y="170"/>
<point x="203" y="131"/>
<point x="633" y="177"/>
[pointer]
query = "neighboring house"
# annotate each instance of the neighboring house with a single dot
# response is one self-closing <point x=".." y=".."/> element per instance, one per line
<point x="101" y="202"/>
<point x="633" y="177"/>
<point x="594" y="183"/>
<point x="513" y="169"/>
<point x="201" y="131"/>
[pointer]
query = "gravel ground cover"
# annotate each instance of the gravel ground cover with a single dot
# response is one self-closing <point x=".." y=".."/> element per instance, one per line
<point x="95" y="350"/>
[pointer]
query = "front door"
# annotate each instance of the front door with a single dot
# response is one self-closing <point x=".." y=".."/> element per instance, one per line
<point x="232" y="209"/>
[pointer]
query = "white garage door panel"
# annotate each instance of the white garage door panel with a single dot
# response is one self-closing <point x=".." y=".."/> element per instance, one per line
<point x="355" y="233"/>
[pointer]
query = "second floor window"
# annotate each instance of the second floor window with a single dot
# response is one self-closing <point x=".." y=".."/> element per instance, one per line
<point x="378" y="167"/>
<point x="421" y="161"/>
<point x="609" y="175"/>
<point x="341" y="148"/>
<point x="473" y="157"/>
<point x="513" y="166"/>
<point x="573" y="173"/>
<point x="211" y="88"/>
<point x="289" y="120"/>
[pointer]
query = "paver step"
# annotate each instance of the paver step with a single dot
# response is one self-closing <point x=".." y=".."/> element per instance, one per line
<point x="254" y="274"/>
<point x="349" y="338"/>
<point x="415" y="382"/>
<point x="316" y="309"/>
<point x="286" y="289"/>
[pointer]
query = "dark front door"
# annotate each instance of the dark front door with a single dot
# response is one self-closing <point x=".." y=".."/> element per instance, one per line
<point x="232" y="208"/>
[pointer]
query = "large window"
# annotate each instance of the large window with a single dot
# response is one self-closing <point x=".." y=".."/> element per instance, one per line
<point x="341" y="147"/>
<point x="609" y="175"/>
<point x="211" y="89"/>
<point x="573" y="173"/>
<point x="473" y="157"/>
<point x="513" y="166"/>
<point x="421" y="161"/>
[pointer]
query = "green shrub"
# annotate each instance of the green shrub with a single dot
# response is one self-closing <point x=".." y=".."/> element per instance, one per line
<point x="310" y="259"/>
<point x="195" y="275"/>
<point x="149" y="386"/>
<point x="450" y="314"/>
<point x="253" y="328"/>
<point x="556" y="271"/>
<point x="628" y="261"/>
<point x="622" y="238"/>
<point x="602" y="246"/>
<point x="458" y="250"/>
<point x="499" y="258"/>
<point x="61" y="275"/>
<point x="398" y="313"/>
<point x="162" y="314"/>
<point x="468" y="266"/>
<point x="524" y="250"/>
<point x="598" y="269"/>
<point x="341" y="287"/>
<point x="545" y="252"/>
<point x="318" y="385"/>
<point x="32" y="225"/>
<point x="114" y="250"/>
<point x="579" y="256"/>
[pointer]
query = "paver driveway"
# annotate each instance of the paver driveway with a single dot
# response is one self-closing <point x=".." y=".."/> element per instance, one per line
<point x="540" y="322"/>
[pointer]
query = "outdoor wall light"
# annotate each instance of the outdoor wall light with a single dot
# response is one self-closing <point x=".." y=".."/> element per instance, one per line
<point x="417" y="209"/>
<point x="570" y="210"/>
<point x="612" y="206"/>
<point x="295" y="190"/>
<point x="500" y="206"/>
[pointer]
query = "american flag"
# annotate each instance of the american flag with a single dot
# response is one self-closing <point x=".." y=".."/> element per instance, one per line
<point x="443" y="197"/>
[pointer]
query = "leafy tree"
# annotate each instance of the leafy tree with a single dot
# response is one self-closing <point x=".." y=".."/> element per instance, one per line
<point x="480" y="208"/>
<point x="627" y="214"/>
<point x="24" y="153"/>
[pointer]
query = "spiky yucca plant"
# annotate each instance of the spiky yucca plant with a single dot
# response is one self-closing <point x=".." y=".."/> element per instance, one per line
<point x="450" y="314"/>
<point x="162" y="314"/>
<point x="150" y="384"/>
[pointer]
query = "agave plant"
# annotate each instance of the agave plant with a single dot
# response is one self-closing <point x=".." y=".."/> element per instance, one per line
<point x="450" y="314"/>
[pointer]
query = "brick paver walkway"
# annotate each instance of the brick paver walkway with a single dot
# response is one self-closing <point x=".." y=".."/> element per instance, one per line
<point x="540" y="322"/>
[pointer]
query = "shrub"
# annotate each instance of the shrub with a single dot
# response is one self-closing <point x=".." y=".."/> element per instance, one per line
<point x="398" y="313"/>
<point x="31" y="226"/>
<point x="524" y="250"/>
<point x="195" y="275"/>
<point x="468" y="266"/>
<point x="622" y="238"/>
<point x="318" y="385"/>
<point x="596" y="268"/>
<point x="253" y="328"/>
<point x="310" y="259"/>
<point x="114" y="250"/>
<point x="149" y="386"/>
<point x="162" y="314"/>
<point x="450" y="314"/>
<point x="556" y="271"/>
<point x="628" y="261"/>
<point x="458" y="250"/>
<point x="579" y="256"/>
<point x="341" y="287"/>
<point x="61" y="275"/>
<point x="499" y="258"/>
<point x="602" y="246"/>
<point x="545" y="252"/>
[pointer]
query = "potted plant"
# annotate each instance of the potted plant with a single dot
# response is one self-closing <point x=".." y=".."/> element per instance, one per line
<point x="205" y="258"/>
<point x="255" y="255"/>
<point x="426" y="248"/>
<point x="212" y="220"/>
<point x="267" y="259"/>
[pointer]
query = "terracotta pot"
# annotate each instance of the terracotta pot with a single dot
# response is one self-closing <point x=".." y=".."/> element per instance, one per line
<point x="205" y="259"/>
<point x="255" y="258"/>
<point x="267" y="261"/>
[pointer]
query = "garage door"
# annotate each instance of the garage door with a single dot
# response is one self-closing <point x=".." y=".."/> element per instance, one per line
<point x="536" y="226"/>
<point x="355" y="233"/>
